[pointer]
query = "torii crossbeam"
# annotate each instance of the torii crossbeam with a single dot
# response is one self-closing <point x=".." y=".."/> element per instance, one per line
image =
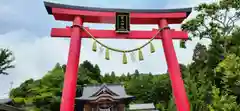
<point x="78" y="15"/>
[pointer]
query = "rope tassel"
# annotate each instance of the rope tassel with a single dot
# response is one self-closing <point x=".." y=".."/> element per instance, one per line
<point x="140" y="55"/>
<point x="107" y="54"/>
<point x="94" y="47"/>
<point x="124" y="58"/>
<point x="152" y="48"/>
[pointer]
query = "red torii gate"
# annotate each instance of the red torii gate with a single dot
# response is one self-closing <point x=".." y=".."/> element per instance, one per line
<point x="78" y="15"/>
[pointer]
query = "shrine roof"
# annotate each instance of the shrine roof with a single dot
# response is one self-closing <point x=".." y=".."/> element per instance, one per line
<point x="50" y="5"/>
<point x="4" y="101"/>
<point x="89" y="91"/>
<point x="5" y="105"/>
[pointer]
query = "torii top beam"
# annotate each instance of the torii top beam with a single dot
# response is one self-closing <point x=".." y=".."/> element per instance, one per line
<point x="107" y="15"/>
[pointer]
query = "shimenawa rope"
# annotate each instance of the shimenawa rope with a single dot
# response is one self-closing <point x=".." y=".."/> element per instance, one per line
<point x="140" y="55"/>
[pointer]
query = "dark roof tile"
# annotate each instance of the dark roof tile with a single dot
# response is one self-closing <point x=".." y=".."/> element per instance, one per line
<point x="90" y="90"/>
<point x="50" y="5"/>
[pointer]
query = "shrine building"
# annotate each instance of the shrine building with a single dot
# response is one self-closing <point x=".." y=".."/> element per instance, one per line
<point x="105" y="97"/>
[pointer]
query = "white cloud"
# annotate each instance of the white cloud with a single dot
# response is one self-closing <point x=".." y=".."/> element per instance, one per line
<point x="185" y="3"/>
<point x="34" y="55"/>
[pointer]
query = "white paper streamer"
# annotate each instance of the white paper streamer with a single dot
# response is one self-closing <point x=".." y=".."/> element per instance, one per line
<point x="133" y="56"/>
<point x="101" y="50"/>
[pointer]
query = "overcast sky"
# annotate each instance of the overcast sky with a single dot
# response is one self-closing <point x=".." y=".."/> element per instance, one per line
<point x="25" y="28"/>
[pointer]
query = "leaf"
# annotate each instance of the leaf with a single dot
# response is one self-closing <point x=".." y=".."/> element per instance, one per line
<point x="18" y="100"/>
<point x="182" y="44"/>
<point x="6" y="58"/>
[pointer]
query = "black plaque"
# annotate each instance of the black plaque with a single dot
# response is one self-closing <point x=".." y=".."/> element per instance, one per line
<point x="122" y="22"/>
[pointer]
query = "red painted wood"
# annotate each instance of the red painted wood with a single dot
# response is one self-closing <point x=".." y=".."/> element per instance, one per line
<point x="70" y="77"/>
<point x="178" y="89"/>
<point x="67" y="14"/>
<point x="109" y="17"/>
<point x="111" y="34"/>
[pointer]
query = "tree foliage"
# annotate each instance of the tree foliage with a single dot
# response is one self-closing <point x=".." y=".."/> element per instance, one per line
<point x="6" y="59"/>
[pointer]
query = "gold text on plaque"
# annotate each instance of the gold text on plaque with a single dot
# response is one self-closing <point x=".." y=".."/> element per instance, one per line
<point x="122" y="22"/>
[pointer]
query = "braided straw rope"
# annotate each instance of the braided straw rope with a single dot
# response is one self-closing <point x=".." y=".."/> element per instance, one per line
<point x="124" y="51"/>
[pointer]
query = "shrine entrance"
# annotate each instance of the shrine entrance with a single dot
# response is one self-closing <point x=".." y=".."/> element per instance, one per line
<point x="122" y="18"/>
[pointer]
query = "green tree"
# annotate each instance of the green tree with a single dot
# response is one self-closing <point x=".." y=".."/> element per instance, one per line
<point x="6" y="59"/>
<point x="216" y="22"/>
<point x="223" y="103"/>
<point x="161" y="89"/>
<point x="198" y="90"/>
<point x="229" y="67"/>
<point x="94" y="71"/>
<point x="45" y="94"/>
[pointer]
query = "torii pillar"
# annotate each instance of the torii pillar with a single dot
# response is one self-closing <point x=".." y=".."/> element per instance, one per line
<point x="78" y="15"/>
